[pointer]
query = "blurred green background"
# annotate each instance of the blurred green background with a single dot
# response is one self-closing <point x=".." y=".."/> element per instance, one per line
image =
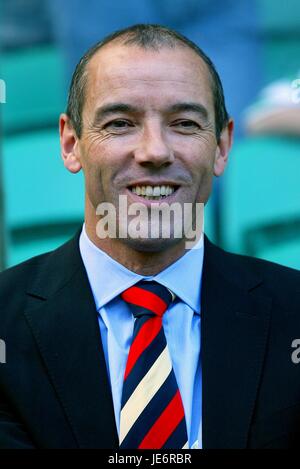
<point x="41" y="204"/>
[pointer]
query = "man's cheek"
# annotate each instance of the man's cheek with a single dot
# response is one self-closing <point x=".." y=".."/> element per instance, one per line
<point x="94" y="183"/>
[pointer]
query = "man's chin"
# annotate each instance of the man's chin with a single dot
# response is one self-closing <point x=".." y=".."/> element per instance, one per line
<point x="154" y="245"/>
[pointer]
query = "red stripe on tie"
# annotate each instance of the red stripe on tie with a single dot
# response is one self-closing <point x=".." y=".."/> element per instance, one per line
<point x="145" y="299"/>
<point x="164" y="425"/>
<point x="145" y="336"/>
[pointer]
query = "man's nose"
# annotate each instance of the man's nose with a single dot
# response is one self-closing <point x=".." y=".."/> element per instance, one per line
<point x="153" y="147"/>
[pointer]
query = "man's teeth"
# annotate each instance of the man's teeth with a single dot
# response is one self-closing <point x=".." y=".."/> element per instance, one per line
<point x="153" y="192"/>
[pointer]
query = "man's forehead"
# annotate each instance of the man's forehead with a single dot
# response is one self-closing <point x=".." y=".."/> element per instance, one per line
<point x="114" y="58"/>
<point x="179" y="69"/>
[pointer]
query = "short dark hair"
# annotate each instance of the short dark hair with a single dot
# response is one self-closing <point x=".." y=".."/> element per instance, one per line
<point x="146" y="36"/>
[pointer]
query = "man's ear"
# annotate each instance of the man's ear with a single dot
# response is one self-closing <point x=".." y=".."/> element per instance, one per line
<point x="69" y="144"/>
<point x="223" y="148"/>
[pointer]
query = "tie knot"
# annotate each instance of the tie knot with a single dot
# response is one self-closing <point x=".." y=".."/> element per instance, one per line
<point x="148" y="298"/>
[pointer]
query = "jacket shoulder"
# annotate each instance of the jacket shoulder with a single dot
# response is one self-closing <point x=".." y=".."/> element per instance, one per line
<point x="279" y="282"/>
<point x="261" y="265"/>
<point x="15" y="280"/>
<point x="251" y="264"/>
<point x="21" y="276"/>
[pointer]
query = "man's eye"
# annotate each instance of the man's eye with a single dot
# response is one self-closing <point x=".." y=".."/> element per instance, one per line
<point x="187" y="124"/>
<point x="118" y="124"/>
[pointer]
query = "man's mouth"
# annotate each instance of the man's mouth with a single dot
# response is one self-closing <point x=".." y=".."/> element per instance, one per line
<point x="152" y="192"/>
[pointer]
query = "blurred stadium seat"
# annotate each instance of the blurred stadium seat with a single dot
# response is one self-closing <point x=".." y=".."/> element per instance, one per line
<point x="280" y="23"/>
<point x="35" y="90"/>
<point x="287" y="253"/>
<point x="261" y="202"/>
<point x="43" y="201"/>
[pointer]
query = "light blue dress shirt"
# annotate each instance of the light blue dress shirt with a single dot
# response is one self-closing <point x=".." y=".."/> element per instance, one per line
<point x="181" y="323"/>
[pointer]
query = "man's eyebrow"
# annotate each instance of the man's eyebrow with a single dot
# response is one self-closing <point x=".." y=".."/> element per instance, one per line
<point x="190" y="107"/>
<point x="114" y="108"/>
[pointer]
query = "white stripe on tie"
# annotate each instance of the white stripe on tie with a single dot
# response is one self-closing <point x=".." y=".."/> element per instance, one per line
<point x="144" y="392"/>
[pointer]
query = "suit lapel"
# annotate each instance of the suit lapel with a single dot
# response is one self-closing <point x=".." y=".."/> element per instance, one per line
<point x="235" y="322"/>
<point x="63" y="319"/>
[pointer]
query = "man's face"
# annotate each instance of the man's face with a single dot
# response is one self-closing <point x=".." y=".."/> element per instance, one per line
<point x="148" y="120"/>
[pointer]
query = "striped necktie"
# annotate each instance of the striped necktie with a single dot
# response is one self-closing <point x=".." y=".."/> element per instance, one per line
<point x="152" y="413"/>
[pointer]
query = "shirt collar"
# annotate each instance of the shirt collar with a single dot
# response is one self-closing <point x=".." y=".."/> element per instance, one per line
<point x="108" y="278"/>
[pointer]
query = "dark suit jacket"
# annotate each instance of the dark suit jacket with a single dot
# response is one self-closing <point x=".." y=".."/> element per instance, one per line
<point x="54" y="387"/>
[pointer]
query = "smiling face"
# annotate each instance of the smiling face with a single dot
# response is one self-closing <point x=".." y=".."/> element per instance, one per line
<point x="148" y="129"/>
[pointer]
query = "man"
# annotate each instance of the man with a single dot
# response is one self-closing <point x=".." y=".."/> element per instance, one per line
<point x="96" y="330"/>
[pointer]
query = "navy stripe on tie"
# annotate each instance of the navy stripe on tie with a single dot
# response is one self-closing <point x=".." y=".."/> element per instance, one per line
<point x="175" y="440"/>
<point x="143" y="365"/>
<point x="139" y="324"/>
<point x="150" y="414"/>
<point x="159" y="290"/>
<point x="139" y="311"/>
